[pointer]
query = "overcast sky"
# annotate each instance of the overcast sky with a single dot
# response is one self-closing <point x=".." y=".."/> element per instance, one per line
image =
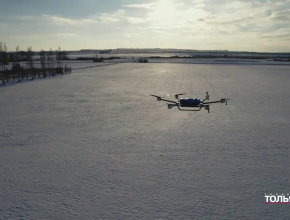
<point x="244" y="25"/>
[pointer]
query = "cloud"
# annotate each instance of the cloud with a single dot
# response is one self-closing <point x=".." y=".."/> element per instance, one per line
<point x="25" y="17"/>
<point x="145" y="6"/>
<point x="213" y="21"/>
<point x="135" y="20"/>
<point x="131" y="35"/>
<point x="111" y="17"/>
<point x="108" y="19"/>
<point x="92" y="19"/>
<point x="283" y="15"/>
<point x="67" y="21"/>
<point x="276" y="36"/>
<point x="195" y="23"/>
<point x="65" y="35"/>
<point x="41" y="35"/>
<point x="280" y="34"/>
<point x="245" y="16"/>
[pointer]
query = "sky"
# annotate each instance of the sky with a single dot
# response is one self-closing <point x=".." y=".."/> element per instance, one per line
<point x="236" y="25"/>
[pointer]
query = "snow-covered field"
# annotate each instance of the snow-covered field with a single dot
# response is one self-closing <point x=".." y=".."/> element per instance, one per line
<point x="94" y="145"/>
<point x="122" y="55"/>
<point x="207" y="61"/>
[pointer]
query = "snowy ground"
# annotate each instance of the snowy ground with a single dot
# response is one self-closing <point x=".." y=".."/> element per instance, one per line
<point x="94" y="145"/>
<point x="207" y="61"/>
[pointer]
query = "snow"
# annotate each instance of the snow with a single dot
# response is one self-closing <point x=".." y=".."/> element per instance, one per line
<point x="94" y="145"/>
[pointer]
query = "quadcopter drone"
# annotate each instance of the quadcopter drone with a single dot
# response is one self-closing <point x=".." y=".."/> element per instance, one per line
<point x="190" y="102"/>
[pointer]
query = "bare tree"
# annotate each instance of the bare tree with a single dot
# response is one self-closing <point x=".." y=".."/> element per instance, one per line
<point x="5" y="47"/>
<point x="50" y="60"/>
<point x="30" y="58"/>
<point x="43" y="62"/>
<point x="16" y="56"/>
<point x="3" y="62"/>
<point x="64" y="56"/>
<point x="17" y="70"/>
<point x="30" y="63"/>
<point x="1" y="72"/>
<point x="58" y="58"/>
<point x="59" y="61"/>
<point x="3" y="55"/>
<point x="22" y="55"/>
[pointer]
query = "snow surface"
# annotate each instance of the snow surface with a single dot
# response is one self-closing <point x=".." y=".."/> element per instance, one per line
<point x="94" y="145"/>
<point x="207" y="61"/>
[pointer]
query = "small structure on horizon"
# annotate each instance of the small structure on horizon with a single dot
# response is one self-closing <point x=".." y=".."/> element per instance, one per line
<point x="139" y="60"/>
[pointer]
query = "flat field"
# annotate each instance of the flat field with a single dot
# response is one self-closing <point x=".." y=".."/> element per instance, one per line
<point x="94" y="145"/>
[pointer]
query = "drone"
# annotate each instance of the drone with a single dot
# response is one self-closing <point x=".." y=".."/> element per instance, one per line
<point x="184" y="103"/>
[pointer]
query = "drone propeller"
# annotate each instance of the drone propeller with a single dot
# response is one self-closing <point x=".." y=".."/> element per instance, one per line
<point x="176" y="96"/>
<point x="155" y="96"/>
<point x="182" y="94"/>
<point x="158" y="97"/>
<point x="207" y="95"/>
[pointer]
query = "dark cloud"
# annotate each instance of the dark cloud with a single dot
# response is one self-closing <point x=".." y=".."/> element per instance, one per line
<point x="283" y="15"/>
<point x="268" y="12"/>
<point x="230" y="22"/>
<point x="278" y="36"/>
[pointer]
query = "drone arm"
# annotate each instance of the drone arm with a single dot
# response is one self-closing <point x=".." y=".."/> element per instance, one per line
<point x="161" y="99"/>
<point x="168" y="101"/>
<point x="205" y="103"/>
<point x="206" y="97"/>
<point x="221" y="101"/>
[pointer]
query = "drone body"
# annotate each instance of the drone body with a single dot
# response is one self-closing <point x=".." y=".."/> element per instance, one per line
<point x="190" y="103"/>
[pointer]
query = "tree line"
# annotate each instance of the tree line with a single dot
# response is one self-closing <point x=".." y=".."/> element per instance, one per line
<point x="51" y="63"/>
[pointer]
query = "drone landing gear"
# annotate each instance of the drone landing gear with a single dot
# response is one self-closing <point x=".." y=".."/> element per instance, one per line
<point x="170" y="106"/>
<point x="177" y="95"/>
<point x="224" y="101"/>
<point x="207" y="108"/>
<point x="190" y="110"/>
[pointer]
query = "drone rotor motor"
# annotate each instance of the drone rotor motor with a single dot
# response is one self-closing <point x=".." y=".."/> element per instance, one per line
<point x="224" y="101"/>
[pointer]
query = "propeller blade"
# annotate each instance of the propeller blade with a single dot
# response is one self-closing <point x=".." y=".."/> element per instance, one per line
<point x="155" y="96"/>
<point x="182" y="94"/>
<point x="206" y="95"/>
